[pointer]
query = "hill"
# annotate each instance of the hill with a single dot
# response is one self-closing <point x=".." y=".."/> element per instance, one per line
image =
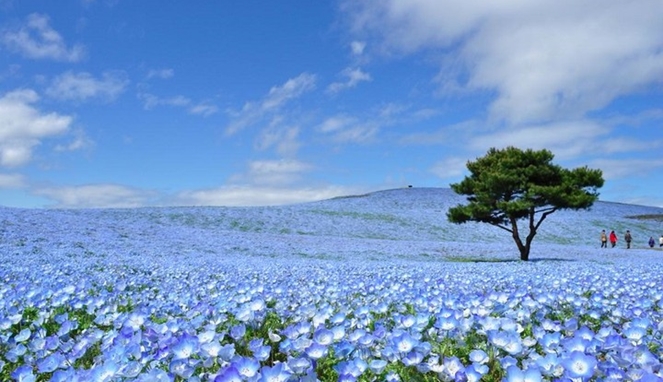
<point x="408" y="224"/>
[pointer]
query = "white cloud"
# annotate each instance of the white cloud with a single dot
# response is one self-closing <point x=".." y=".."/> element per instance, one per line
<point x="566" y="140"/>
<point x="22" y="126"/>
<point x="278" y="96"/>
<point x="204" y="109"/>
<point x="71" y="86"/>
<point x="160" y="73"/>
<point x="81" y="141"/>
<point x="336" y="123"/>
<point x="452" y="167"/>
<point x="274" y="172"/>
<point x="627" y="168"/>
<point x="293" y="88"/>
<point x="343" y="129"/>
<point x="543" y="59"/>
<point x="12" y="181"/>
<point x="37" y="39"/>
<point x="283" y="138"/>
<point x="353" y="78"/>
<point x="357" y="47"/>
<point x="259" y="195"/>
<point x="151" y="101"/>
<point x="96" y="196"/>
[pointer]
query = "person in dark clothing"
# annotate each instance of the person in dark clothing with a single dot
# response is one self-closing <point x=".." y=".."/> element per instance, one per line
<point x="651" y="242"/>
<point x="628" y="239"/>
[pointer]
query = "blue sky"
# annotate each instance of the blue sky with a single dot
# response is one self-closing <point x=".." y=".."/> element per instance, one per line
<point x="114" y="103"/>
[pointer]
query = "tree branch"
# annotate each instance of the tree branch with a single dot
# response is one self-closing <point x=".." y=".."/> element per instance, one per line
<point x="543" y="217"/>
<point x="502" y="227"/>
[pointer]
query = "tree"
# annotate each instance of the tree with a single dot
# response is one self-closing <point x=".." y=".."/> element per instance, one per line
<point x="510" y="184"/>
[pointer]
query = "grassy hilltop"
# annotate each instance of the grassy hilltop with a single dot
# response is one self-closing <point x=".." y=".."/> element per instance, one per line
<point x="407" y="223"/>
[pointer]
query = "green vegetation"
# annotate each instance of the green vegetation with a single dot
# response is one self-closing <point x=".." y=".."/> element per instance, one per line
<point x="650" y="217"/>
<point x="509" y="185"/>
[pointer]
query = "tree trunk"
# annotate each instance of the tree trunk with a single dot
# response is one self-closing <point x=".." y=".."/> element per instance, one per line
<point x="524" y="253"/>
<point x="523" y="248"/>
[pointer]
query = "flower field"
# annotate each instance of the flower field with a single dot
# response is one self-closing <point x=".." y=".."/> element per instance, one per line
<point x="376" y="287"/>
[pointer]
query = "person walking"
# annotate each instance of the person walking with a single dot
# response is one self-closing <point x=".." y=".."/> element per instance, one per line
<point x="613" y="239"/>
<point x="651" y="242"/>
<point x="660" y="241"/>
<point x="604" y="239"/>
<point x="628" y="239"/>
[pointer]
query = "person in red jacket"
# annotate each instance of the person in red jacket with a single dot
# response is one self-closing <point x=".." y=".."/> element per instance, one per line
<point x="613" y="239"/>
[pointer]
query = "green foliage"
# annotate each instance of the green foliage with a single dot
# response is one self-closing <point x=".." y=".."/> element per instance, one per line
<point x="325" y="367"/>
<point x="511" y="184"/>
<point x="87" y="360"/>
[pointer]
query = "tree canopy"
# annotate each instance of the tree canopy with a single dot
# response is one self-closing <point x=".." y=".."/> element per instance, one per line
<point x="508" y="185"/>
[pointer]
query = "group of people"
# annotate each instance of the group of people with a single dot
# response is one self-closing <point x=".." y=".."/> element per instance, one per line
<point x="612" y="237"/>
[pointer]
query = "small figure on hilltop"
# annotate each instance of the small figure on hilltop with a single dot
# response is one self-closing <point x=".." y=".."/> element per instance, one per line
<point x="613" y="239"/>
<point x="604" y="239"/>
<point x="660" y="241"/>
<point x="628" y="239"/>
<point x="651" y="242"/>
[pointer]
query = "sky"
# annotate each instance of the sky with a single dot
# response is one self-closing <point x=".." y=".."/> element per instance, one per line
<point x="117" y="103"/>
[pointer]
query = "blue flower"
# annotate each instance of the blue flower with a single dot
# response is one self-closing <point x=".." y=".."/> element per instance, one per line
<point x="105" y="372"/>
<point x="229" y="374"/>
<point x="404" y="342"/>
<point x="246" y="366"/>
<point x="316" y="351"/>
<point x="50" y="363"/>
<point x="323" y="336"/>
<point x="377" y="365"/>
<point x="186" y="346"/>
<point x="515" y="374"/>
<point x="23" y="335"/>
<point x="23" y="373"/>
<point x="278" y="373"/>
<point x="479" y="356"/>
<point x="579" y="365"/>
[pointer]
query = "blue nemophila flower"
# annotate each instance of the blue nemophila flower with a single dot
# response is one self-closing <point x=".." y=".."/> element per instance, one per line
<point x="50" y="363"/>
<point x="23" y="373"/>
<point x="278" y="373"/>
<point x="377" y="365"/>
<point x="515" y="374"/>
<point x="354" y="367"/>
<point x="23" y="335"/>
<point x="316" y="351"/>
<point x="412" y="358"/>
<point x="134" y="321"/>
<point x="453" y="366"/>
<point x="479" y="356"/>
<point x="227" y="352"/>
<point x="229" y="374"/>
<point x="404" y="342"/>
<point x="155" y="375"/>
<point x="579" y="365"/>
<point x="246" y="366"/>
<point x="635" y="334"/>
<point x="475" y="372"/>
<point x="238" y="331"/>
<point x="211" y="349"/>
<point x="105" y="372"/>
<point x="131" y="369"/>
<point x="323" y="336"/>
<point x="299" y="364"/>
<point x="182" y="368"/>
<point x="186" y="346"/>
